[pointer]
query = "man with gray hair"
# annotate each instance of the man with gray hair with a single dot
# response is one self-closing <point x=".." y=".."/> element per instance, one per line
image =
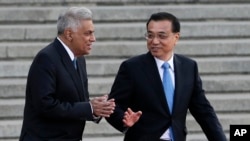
<point x="57" y="101"/>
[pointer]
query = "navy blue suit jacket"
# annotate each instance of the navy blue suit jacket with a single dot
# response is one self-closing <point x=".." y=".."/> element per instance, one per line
<point x="57" y="98"/>
<point x="138" y="85"/>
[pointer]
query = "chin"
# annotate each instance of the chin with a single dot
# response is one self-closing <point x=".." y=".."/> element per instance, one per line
<point x="154" y="53"/>
<point x="86" y="53"/>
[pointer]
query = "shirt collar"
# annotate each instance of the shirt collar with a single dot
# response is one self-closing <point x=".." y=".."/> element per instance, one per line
<point x="170" y="62"/>
<point x="70" y="53"/>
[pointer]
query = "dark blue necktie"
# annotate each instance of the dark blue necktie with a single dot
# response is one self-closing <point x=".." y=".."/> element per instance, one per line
<point x="75" y="63"/>
<point x="169" y="90"/>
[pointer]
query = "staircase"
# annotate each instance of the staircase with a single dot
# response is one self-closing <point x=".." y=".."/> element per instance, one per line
<point x="213" y="32"/>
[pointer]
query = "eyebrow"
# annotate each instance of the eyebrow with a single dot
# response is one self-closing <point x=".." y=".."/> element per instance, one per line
<point x="161" y="32"/>
<point x="89" y="31"/>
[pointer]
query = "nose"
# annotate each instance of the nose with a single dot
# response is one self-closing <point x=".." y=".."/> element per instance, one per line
<point x="92" y="38"/>
<point x="155" y="40"/>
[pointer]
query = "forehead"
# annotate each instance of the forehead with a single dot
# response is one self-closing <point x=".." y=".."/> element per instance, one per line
<point x="159" y="26"/>
<point x="87" y="25"/>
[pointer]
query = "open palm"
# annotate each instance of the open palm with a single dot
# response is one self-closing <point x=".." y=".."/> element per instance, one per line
<point x="130" y="117"/>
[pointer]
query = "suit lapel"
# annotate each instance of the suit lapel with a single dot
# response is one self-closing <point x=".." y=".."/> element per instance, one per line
<point x="68" y="65"/>
<point x="178" y="82"/>
<point x="83" y="75"/>
<point x="154" y="78"/>
<point x="153" y="75"/>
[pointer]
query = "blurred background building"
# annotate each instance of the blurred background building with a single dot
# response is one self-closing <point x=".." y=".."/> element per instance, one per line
<point x="216" y="33"/>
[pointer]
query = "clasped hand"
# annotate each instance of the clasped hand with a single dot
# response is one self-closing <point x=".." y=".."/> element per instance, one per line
<point x="102" y="107"/>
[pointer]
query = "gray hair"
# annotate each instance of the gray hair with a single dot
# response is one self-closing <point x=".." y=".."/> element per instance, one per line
<point x="72" y="17"/>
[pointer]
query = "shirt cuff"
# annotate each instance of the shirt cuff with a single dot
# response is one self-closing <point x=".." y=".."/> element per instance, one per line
<point x="96" y="118"/>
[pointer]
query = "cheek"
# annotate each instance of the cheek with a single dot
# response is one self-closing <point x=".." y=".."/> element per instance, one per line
<point x="82" y="42"/>
<point x="148" y="44"/>
<point x="169" y="43"/>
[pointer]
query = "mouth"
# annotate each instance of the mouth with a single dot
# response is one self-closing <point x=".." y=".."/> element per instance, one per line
<point x="155" y="48"/>
<point x="89" y="46"/>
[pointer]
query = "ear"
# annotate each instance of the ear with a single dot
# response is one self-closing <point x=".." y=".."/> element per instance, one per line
<point x="68" y="34"/>
<point x="177" y="37"/>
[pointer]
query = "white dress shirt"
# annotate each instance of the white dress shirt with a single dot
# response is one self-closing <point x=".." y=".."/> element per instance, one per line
<point x="166" y="134"/>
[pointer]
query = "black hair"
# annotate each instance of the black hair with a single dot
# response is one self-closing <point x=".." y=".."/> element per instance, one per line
<point x="166" y="16"/>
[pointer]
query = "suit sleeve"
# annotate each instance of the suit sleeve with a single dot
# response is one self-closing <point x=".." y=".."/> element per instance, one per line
<point x="204" y="113"/>
<point x="121" y="92"/>
<point x="43" y="87"/>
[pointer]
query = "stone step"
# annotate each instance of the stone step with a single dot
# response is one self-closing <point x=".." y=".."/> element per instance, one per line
<point x="85" y="2"/>
<point x="129" y="31"/>
<point x="12" y="88"/>
<point x="213" y="33"/>
<point x="222" y="103"/>
<point x="109" y="67"/>
<point x="12" y="128"/>
<point x="15" y="87"/>
<point x="38" y="14"/>
<point x="193" y="127"/>
<point x="125" y="49"/>
<point x="224" y="1"/>
<point x="109" y="2"/>
<point x="211" y="66"/>
<point x="190" y="137"/>
<point x="11" y="108"/>
<point x="226" y="83"/>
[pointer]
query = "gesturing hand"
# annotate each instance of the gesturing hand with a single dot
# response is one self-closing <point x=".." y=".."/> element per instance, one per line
<point x="130" y="117"/>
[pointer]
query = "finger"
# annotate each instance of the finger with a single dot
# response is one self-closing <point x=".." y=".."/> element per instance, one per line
<point x="109" y="104"/>
<point x="96" y="100"/>
<point x="111" y="100"/>
<point x="125" y="113"/>
<point x="107" y="111"/>
<point x="106" y="114"/>
<point x="105" y="96"/>
<point x="139" y="113"/>
<point x="101" y="98"/>
<point x="130" y="111"/>
<point x="124" y="121"/>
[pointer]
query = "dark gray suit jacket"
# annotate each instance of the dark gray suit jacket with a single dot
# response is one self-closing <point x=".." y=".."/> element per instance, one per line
<point x="56" y="106"/>
<point x="138" y="86"/>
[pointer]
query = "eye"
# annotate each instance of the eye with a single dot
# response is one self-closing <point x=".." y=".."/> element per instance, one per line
<point x="149" y="35"/>
<point x="163" y="36"/>
<point x="88" y="33"/>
